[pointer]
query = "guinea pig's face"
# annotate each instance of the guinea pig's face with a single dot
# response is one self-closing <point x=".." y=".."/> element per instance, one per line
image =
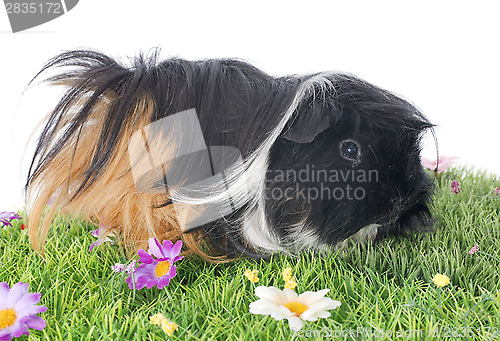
<point x="363" y="169"/>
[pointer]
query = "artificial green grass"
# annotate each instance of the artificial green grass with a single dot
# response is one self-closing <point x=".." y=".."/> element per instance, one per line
<point x="385" y="289"/>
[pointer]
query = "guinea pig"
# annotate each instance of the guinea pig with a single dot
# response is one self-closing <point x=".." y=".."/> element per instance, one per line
<point x="231" y="160"/>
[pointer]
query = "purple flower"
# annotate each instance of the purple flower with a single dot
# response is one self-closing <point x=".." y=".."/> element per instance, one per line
<point x="474" y="249"/>
<point x="6" y="217"/>
<point x="496" y="191"/>
<point x="102" y="236"/>
<point x="455" y="187"/>
<point x="157" y="266"/>
<point x="18" y="311"/>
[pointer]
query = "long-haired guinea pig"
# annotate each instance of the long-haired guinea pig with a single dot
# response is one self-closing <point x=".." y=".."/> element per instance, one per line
<point x="231" y="160"/>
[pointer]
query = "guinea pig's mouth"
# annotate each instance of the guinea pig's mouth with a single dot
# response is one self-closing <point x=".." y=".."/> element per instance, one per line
<point x="412" y="214"/>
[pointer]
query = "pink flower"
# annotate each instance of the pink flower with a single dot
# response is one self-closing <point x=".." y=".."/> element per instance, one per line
<point x="18" y="311"/>
<point x="474" y="250"/>
<point x="102" y="236"/>
<point x="158" y="265"/>
<point x="129" y="269"/>
<point x="118" y="267"/>
<point x="444" y="163"/>
<point x="455" y="187"/>
<point x="496" y="191"/>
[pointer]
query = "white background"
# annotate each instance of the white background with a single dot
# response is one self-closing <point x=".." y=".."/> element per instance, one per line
<point x="443" y="56"/>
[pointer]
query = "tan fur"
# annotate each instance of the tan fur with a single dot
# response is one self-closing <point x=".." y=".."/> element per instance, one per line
<point x="112" y="199"/>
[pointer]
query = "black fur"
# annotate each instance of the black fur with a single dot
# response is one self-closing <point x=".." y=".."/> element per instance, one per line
<point x="389" y="130"/>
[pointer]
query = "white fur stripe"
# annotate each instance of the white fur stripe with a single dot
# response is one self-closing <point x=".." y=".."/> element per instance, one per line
<point x="246" y="182"/>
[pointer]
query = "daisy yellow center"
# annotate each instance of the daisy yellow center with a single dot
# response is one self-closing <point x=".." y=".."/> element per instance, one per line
<point x="162" y="268"/>
<point x="7" y="317"/>
<point x="296" y="308"/>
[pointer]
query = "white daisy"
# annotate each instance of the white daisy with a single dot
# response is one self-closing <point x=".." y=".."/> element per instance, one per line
<point x="286" y="304"/>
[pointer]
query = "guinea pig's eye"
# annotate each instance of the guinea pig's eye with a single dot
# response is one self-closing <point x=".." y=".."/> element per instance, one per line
<point x="351" y="151"/>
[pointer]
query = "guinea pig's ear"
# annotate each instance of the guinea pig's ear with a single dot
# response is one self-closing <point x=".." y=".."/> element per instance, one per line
<point x="310" y="119"/>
